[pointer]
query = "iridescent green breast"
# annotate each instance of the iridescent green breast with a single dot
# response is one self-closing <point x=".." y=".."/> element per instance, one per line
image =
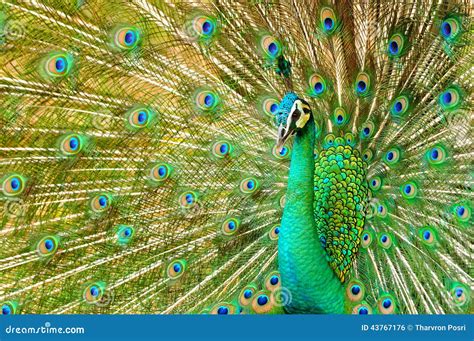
<point x="341" y="191"/>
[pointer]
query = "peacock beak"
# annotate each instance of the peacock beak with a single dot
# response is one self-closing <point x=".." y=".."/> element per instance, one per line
<point x="284" y="134"/>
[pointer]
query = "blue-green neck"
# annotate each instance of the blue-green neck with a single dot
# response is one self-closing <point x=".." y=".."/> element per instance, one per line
<point x="304" y="269"/>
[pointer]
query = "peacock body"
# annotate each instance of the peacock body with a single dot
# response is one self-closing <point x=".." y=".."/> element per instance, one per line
<point x="140" y="173"/>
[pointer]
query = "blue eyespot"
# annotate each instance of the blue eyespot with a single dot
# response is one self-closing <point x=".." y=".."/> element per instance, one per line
<point x="427" y="235"/>
<point x="277" y="230"/>
<point x="262" y="300"/>
<point x="318" y="87"/>
<point x="393" y="47"/>
<point x="130" y="38"/>
<point x="328" y="23"/>
<point x="274" y="280"/>
<point x="248" y="294"/>
<point x="355" y="289"/>
<point x="209" y="100"/>
<point x="363" y="311"/>
<point x="71" y="144"/>
<point x="398" y="106"/>
<point x="390" y="156"/>
<point x="61" y="64"/>
<point x="365" y="237"/>
<point x="450" y="28"/>
<point x="223" y="311"/>
<point x="270" y="46"/>
<point x="126" y="38"/>
<point x="94" y="291"/>
<point x="446" y="29"/>
<point x="387" y="303"/>
<point x="15" y="183"/>
<point x="6" y="310"/>
<point x="273" y="48"/>
<point x="176" y="269"/>
<point x="249" y="185"/>
<point x="361" y="86"/>
<point x="207" y="27"/>
<point x="273" y="108"/>
<point x="384" y="239"/>
<point x="48" y="244"/>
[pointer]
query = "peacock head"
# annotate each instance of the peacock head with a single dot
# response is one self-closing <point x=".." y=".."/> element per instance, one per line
<point x="291" y="116"/>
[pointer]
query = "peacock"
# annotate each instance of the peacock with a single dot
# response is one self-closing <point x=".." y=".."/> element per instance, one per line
<point x="236" y="157"/>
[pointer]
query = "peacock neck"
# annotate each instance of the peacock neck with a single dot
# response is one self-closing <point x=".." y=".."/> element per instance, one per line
<point x="304" y="269"/>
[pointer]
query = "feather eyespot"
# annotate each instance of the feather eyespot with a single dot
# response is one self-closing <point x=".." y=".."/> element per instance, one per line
<point x="396" y="45"/>
<point x="362" y="84"/>
<point x="9" y="308"/>
<point x="221" y="149"/>
<point x="340" y="116"/>
<point x="272" y="281"/>
<point x="207" y="100"/>
<point x="124" y="234"/>
<point x="223" y="308"/>
<point x="275" y="232"/>
<point x="188" y="199"/>
<point x="246" y="295"/>
<point x="399" y="106"/>
<point x="367" y="130"/>
<point x="71" y="144"/>
<point x="270" y="46"/>
<point x="427" y="235"/>
<point x="436" y="155"/>
<point x="176" y="269"/>
<point x="366" y="238"/>
<point x="94" y="292"/>
<point x="139" y="117"/>
<point x="329" y="141"/>
<point x="249" y="185"/>
<point x="47" y="246"/>
<point x="282" y="153"/>
<point x="460" y="293"/>
<point x="58" y="65"/>
<point x="317" y="85"/>
<point x="204" y="26"/>
<point x="386" y="304"/>
<point x="462" y="212"/>
<point x="328" y="20"/>
<point x="409" y="190"/>
<point x="127" y="38"/>
<point x="262" y="302"/>
<point x="101" y="202"/>
<point x="450" y="28"/>
<point x="270" y="107"/>
<point x="392" y="156"/>
<point x="362" y="309"/>
<point x="230" y="226"/>
<point x="160" y="172"/>
<point x="450" y="98"/>
<point x="375" y="183"/>
<point x="381" y="210"/>
<point x="13" y="185"/>
<point x="385" y="240"/>
<point x="367" y="155"/>
<point x="355" y="290"/>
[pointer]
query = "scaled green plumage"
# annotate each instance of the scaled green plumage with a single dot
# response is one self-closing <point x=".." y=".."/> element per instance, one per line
<point x="139" y="172"/>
